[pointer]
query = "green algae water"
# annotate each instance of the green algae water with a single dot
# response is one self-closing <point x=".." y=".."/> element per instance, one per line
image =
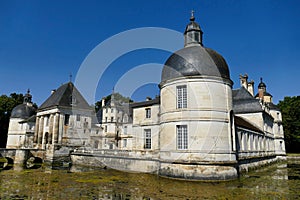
<point x="280" y="181"/>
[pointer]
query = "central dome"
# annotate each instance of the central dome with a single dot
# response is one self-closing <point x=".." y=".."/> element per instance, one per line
<point x="23" y="111"/>
<point x="194" y="59"/>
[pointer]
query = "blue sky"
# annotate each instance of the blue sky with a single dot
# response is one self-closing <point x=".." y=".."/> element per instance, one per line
<point x="42" y="42"/>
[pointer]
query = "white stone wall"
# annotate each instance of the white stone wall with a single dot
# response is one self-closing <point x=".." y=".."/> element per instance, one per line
<point x="139" y="115"/>
<point x="278" y="133"/>
<point x="207" y="117"/>
<point x="254" y="118"/>
<point x="253" y="144"/>
<point x="19" y="134"/>
<point x="113" y="122"/>
<point x="142" y="123"/>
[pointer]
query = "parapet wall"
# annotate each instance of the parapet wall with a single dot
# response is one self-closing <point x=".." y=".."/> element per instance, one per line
<point x="254" y="163"/>
<point x="148" y="162"/>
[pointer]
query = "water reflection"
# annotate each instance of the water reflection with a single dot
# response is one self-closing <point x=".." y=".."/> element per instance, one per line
<point x="294" y="171"/>
<point x="275" y="182"/>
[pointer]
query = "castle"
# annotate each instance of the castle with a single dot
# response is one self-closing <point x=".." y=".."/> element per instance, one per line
<point x="199" y="128"/>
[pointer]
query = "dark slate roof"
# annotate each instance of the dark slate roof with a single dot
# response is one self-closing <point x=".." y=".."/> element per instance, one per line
<point x="241" y="122"/>
<point x="244" y="102"/>
<point x="261" y="84"/>
<point x="66" y="95"/>
<point x="146" y="103"/>
<point x="195" y="60"/>
<point x="192" y="26"/>
<point x="30" y="119"/>
<point x="273" y="106"/>
<point x="23" y="111"/>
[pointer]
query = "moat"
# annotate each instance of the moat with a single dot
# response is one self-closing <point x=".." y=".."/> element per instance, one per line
<point x="278" y="181"/>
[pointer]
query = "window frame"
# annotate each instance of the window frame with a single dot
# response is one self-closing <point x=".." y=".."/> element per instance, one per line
<point x="181" y="96"/>
<point x="182" y="137"/>
<point x="78" y="116"/>
<point x="148" y="113"/>
<point x="147" y="139"/>
<point x="125" y="143"/>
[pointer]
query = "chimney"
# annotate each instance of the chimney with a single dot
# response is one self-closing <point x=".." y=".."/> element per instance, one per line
<point x="261" y="94"/>
<point x="244" y="81"/>
<point x="148" y="98"/>
<point x="251" y="87"/>
<point x="103" y="102"/>
<point x="53" y="91"/>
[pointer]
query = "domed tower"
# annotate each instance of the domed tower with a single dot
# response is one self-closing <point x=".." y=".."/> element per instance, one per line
<point x="262" y="92"/>
<point x="21" y="124"/>
<point x="196" y="135"/>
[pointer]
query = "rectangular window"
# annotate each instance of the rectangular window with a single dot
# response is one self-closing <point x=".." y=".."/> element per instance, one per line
<point x="125" y="143"/>
<point x="148" y="112"/>
<point x="182" y="137"/>
<point x="96" y="144"/>
<point x="47" y="120"/>
<point x="112" y="110"/>
<point x="147" y="136"/>
<point x="181" y="96"/>
<point x="67" y="119"/>
<point x="78" y="117"/>
<point x="112" y="119"/>
<point x="106" y="110"/>
<point x="105" y="128"/>
<point x="125" y="130"/>
<point x="105" y="119"/>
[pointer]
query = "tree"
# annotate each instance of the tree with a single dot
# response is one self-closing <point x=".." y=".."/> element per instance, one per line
<point x="7" y="103"/>
<point x="290" y="109"/>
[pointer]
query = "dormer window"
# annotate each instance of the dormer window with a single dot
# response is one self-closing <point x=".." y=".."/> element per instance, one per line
<point x="72" y="100"/>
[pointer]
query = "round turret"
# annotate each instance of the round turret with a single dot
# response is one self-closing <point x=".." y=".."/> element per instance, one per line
<point x="24" y="110"/>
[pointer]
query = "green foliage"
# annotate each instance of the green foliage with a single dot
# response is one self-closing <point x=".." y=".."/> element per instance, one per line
<point x="7" y="103"/>
<point x="290" y="108"/>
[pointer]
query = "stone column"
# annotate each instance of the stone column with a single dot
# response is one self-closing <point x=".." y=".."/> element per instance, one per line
<point x="41" y="128"/>
<point x="50" y="129"/>
<point x="56" y="128"/>
<point x="36" y="132"/>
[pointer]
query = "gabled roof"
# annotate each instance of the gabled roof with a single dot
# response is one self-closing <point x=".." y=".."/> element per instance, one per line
<point x="244" y="102"/>
<point x="66" y="95"/>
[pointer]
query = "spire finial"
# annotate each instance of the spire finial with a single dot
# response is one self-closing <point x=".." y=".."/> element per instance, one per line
<point x="192" y="15"/>
<point x="70" y="76"/>
<point x="261" y="79"/>
<point x="27" y="97"/>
